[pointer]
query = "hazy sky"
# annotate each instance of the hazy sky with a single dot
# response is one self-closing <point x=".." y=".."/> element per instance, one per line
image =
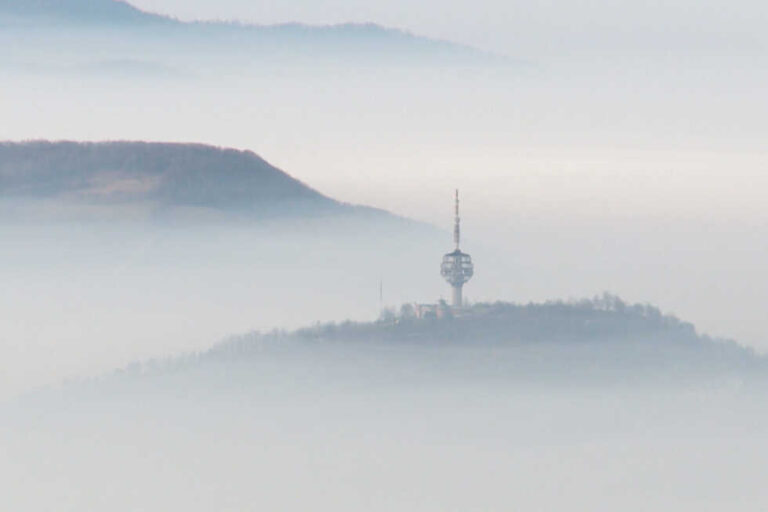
<point x="640" y="176"/>
<point x="522" y="27"/>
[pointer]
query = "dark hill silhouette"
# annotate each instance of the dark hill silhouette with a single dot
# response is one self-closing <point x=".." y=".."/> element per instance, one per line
<point x="163" y="176"/>
<point x="603" y="338"/>
<point x="605" y="319"/>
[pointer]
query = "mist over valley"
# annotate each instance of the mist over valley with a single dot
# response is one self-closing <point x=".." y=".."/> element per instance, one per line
<point x="140" y="256"/>
<point x="506" y="404"/>
<point x="228" y="281"/>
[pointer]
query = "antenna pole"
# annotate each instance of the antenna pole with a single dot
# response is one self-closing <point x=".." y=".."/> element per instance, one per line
<point x="457" y="226"/>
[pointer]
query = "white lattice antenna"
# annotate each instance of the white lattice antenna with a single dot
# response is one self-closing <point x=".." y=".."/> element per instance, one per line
<point x="457" y="226"/>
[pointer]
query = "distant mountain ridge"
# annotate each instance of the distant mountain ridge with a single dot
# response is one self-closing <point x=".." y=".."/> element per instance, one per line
<point x="285" y="38"/>
<point x="113" y="11"/>
<point x="161" y="175"/>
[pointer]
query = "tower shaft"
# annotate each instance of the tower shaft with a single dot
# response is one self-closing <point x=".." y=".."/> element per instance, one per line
<point x="457" y="299"/>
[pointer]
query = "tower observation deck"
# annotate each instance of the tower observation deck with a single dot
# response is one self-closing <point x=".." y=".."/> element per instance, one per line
<point x="457" y="267"/>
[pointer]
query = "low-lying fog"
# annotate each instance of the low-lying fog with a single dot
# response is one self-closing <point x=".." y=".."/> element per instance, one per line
<point x="82" y="299"/>
<point x="392" y="426"/>
<point x="641" y="176"/>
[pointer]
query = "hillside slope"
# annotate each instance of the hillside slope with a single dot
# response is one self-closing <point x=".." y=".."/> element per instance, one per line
<point x="156" y="176"/>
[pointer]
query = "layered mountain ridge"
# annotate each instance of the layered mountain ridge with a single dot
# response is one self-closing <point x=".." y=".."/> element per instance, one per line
<point x="109" y="11"/>
<point x="46" y="20"/>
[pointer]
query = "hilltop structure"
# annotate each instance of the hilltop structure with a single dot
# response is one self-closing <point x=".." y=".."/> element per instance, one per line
<point x="457" y="267"/>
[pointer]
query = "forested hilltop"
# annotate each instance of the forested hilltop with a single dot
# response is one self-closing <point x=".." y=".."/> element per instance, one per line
<point x="593" y="338"/>
<point x="605" y="319"/>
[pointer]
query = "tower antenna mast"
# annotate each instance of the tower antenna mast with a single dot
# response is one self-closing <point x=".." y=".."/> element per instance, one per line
<point x="457" y="267"/>
<point x="457" y="225"/>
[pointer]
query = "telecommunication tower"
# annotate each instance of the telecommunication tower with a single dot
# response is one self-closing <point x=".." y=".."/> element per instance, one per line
<point x="457" y="267"/>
